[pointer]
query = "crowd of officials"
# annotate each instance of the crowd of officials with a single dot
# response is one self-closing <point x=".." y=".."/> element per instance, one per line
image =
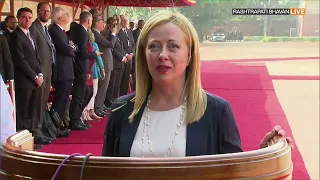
<point x="83" y="68"/>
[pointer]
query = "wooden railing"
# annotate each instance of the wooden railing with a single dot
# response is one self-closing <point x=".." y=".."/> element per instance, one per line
<point x="18" y="161"/>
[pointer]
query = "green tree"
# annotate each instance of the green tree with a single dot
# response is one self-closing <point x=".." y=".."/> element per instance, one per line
<point x="209" y="13"/>
<point x="134" y="13"/>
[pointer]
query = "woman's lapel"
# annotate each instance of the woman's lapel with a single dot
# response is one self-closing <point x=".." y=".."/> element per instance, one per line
<point x="197" y="137"/>
<point x="129" y="129"/>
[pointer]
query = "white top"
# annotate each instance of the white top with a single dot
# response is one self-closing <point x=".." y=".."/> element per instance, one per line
<point x="162" y="129"/>
<point x="7" y="126"/>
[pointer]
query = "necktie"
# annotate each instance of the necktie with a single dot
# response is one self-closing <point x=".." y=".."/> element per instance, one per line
<point x="125" y="31"/>
<point x="47" y="32"/>
<point x="31" y="40"/>
<point x="52" y="45"/>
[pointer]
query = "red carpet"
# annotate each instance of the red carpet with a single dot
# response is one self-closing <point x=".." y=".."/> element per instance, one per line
<point x="248" y="89"/>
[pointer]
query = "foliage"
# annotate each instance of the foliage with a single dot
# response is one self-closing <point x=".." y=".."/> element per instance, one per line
<point x="281" y="39"/>
<point x="268" y="18"/>
<point x="267" y="4"/>
<point x="253" y="38"/>
<point x="290" y="39"/>
<point x="208" y="13"/>
<point x="136" y="13"/>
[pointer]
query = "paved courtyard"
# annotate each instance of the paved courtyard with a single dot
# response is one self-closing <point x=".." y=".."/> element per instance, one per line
<point x="245" y="50"/>
<point x="297" y="87"/>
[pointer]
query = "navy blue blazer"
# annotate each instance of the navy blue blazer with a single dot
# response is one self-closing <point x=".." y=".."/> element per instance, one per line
<point x="64" y="54"/>
<point x="215" y="133"/>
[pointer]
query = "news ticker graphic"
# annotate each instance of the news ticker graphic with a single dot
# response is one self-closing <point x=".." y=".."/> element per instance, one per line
<point x="269" y="11"/>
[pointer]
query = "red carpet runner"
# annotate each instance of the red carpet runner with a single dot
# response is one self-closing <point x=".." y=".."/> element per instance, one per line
<point x="250" y="91"/>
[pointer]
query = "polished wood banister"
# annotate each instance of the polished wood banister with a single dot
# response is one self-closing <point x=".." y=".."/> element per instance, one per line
<point x="22" y="140"/>
<point x="268" y="163"/>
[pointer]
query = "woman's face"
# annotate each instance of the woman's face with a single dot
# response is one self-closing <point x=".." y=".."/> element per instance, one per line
<point x="167" y="54"/>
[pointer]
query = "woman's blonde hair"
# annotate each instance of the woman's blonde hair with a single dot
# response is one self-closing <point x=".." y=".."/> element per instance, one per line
<point x="91" y="35"/>
<point x="196" y="96"/>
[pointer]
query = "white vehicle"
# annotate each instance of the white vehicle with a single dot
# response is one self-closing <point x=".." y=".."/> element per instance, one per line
<point x="219" y="37"/>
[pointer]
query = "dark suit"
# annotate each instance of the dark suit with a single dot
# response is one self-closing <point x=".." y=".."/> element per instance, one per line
<point x="64" y="69"/>
<point x="215" y="133"/>
<point x="136" y="34"/>
<point x="27" y="66"/>
<point x="106" y="45"/>
<point x="80" y="37"/>
<point x="128" y="45"/>
<point x="6" y="65"/>
<point x="118" y="54"/>
<point x="7" y="34"/>
<point x="46" y="52"/>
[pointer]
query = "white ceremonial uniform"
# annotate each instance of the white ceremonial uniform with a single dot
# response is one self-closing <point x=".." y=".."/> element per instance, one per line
<point x="7" y="126"/>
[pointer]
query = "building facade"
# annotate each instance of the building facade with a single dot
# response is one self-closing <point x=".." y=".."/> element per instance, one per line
<point x="309" y="24"/>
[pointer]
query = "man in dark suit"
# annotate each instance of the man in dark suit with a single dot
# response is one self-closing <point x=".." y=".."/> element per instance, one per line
<point x="80" y="37"/>
<point x="131" y="25"/>
<point x="105" y="45"/>
<point x="6" y="65"/>
<point x="28" y="77"/>
<point x="46" y="50"/>
<point x="11" y="24"/>
<point x="137" y="31"/>
<point x="136" y="34"/>
<point x="119" y="58"/>
<point x="127" y="43"/>
<point x="65" y="54"/>
<point x="72" y="24"/>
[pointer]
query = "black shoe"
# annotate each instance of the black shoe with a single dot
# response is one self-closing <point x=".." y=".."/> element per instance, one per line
<point x="104" y="112"/>
<point x="105" y="107"/>
<point x="107" y="112"/>
<point x="86" y="124"/>
<point x="64" y="132"/>
<point x="41" y="140"/>
<point x="77" y="125"/>
<point x="49" y="138"/>
<point x="37" y="146"/>
<point x="99" y="114"/>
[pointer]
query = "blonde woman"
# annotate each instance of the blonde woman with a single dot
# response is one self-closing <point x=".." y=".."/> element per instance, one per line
<point x="96" y="72"/>
<point x="170" y="114"/>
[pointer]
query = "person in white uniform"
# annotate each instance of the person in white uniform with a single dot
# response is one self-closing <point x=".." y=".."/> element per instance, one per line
<point x="7" y="126"/>
<point x="170" y="114"/>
